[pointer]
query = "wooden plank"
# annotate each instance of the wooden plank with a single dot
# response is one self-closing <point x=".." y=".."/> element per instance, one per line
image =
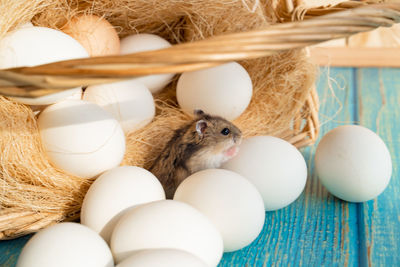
<point x="379" y="110"/>
<point x="10" y="250"/>
<point x="317" y="229"/>
<point x="355" y="57"/>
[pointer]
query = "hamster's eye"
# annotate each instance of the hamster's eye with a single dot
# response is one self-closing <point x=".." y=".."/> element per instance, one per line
<point x="225" y="131"/>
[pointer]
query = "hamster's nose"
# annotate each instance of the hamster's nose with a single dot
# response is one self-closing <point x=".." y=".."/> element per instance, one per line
<point x="237" y="139"/>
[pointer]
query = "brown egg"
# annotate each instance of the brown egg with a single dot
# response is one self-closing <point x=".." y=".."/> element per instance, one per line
<point x="95" y="34"/>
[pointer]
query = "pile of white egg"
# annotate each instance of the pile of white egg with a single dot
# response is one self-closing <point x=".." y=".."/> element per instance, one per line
<point x="125" y="218"/>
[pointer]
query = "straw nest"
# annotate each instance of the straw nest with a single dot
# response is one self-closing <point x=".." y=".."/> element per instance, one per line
<point x="35" y="194"/>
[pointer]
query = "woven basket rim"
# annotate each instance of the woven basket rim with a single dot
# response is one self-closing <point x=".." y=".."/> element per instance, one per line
<point x="339" y="23"/>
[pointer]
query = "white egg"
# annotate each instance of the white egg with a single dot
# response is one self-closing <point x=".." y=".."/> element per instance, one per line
<point x="95" y="34"/>
<point x="353" y="163"/>
<point x="26" y="25"/>
<point x="81" y="138"/>
<point x="147" y="42"/>
<point x="130" y="102"/>
<point x="114" y="192"/>
<point x="230" y="201"/>
<point x="224" y="90"/>
<point x="31" y="46"/>
<point x="45" y="46"/>
<point x="166" y="224"/>
<point x="162" y="258"/>
<point x="75" y="93"/>
<point x="66" y="245"/>
<point x="274" y="166"/>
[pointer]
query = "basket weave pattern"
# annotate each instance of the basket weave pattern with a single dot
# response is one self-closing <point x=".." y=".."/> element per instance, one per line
<point x="320" y="24"/>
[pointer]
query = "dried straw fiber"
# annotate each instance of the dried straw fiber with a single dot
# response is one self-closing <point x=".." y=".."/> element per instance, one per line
<point x="281" y="85"/>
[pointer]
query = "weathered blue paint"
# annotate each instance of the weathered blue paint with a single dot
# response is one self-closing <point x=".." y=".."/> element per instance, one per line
<point x="379" y="110"/>
<point x="10" y="250"/>
<point x="318" y="229"/>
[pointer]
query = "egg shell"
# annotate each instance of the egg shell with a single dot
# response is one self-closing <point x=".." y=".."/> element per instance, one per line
<point x="115" y="191"/>
<point x="229" y="200"/>
<point x="162" y="258"/>
<point x="66" y="245"/>
<point x="26" y="25"/>
<point x="45" y="46"/>
<point x="75" y="93"/>
<point x="95" y="34"/>
<point x="130" y="102"/>
<point x="81" y="138"/>
<point x="166" y="224"/>
<point x="147" y="42"/>
<point x="274" y="166"/>
<point x="353" y="163"/>
<point x="223" y="90"/>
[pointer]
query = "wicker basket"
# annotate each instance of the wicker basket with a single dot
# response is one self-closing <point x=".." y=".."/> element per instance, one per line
<point x="300" y="28"/>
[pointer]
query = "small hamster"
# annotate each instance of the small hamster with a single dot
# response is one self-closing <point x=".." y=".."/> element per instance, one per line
<point x="204" y="143"/>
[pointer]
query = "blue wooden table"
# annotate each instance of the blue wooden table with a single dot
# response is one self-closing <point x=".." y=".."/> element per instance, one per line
<point x="318" y="229"/>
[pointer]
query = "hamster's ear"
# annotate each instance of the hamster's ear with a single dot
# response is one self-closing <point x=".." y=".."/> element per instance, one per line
<point x="198" y="113"/>
<point x="201" y="127"/>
